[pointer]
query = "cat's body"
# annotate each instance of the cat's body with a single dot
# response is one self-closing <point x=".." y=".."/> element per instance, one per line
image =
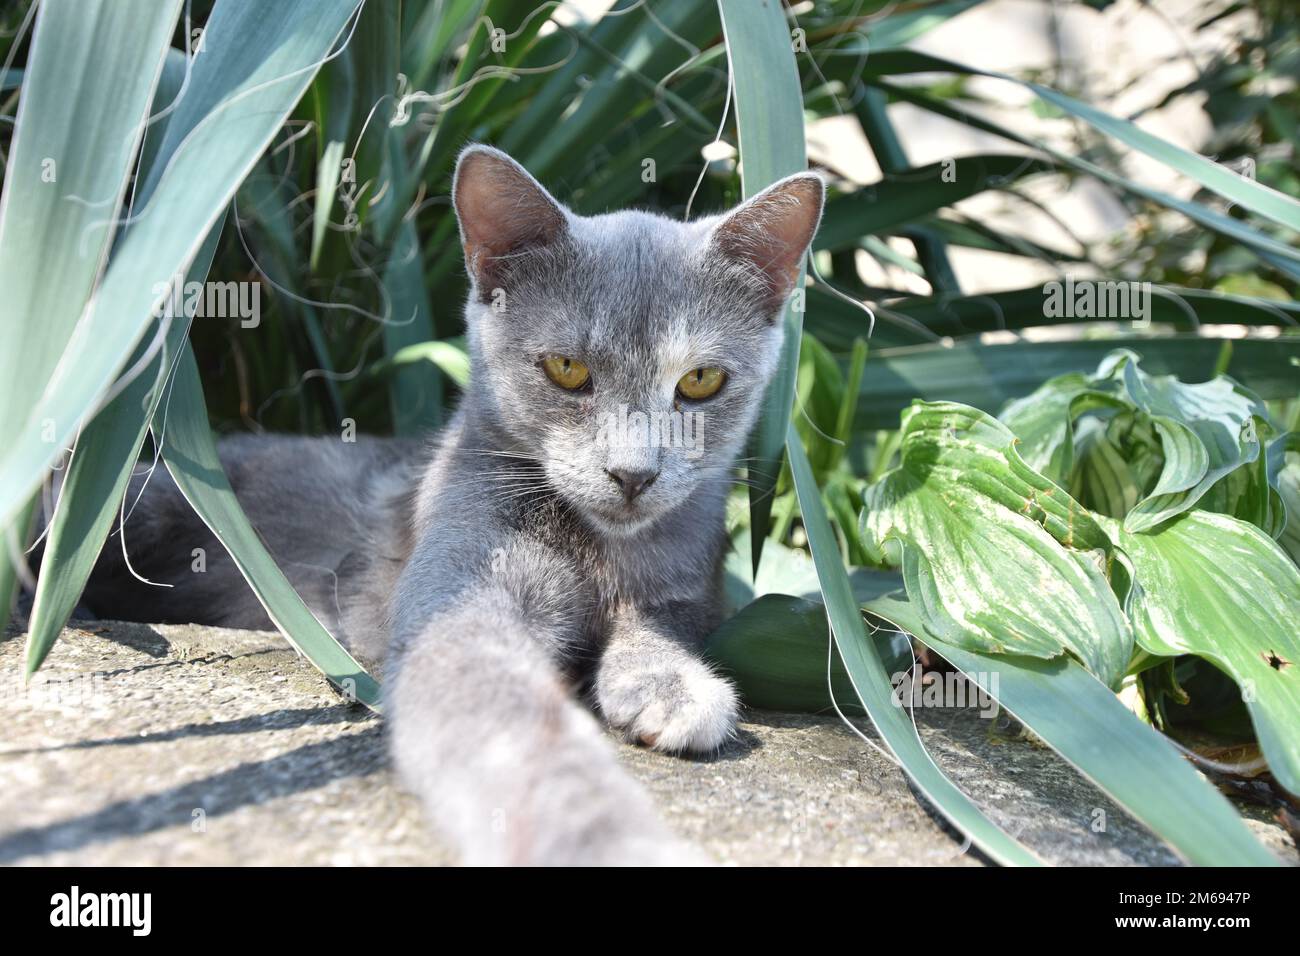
<point x="524" y="554"/>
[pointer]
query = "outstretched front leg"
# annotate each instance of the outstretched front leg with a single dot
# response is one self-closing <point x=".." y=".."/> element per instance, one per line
<point x="652" y="685"/>
<point x="485" y="731"/>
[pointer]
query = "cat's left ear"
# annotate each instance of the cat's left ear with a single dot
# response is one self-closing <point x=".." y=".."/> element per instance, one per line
<point x="772" y="232"/>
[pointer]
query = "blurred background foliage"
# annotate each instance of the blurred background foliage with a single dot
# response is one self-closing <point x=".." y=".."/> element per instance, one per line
<point x="353" y="272"/>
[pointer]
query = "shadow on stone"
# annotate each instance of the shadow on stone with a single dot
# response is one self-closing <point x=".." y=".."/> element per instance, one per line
<point x="286" y="719"/>
<point x="302" y="769"/>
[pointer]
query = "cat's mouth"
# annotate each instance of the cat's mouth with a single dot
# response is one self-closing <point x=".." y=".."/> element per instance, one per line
<point x="621" y="518"/>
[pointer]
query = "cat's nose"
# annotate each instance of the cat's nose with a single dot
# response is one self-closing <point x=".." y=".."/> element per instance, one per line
<point x="632" y="481"/>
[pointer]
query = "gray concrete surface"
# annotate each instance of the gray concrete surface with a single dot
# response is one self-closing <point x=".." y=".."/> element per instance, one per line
<point x="146" y="745"/>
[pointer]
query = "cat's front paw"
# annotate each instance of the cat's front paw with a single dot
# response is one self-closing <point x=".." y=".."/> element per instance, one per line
<point x="682" y="707"/>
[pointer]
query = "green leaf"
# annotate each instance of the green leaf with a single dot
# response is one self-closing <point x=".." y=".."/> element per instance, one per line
<point x="97" y="478"/>
<point x="12" y="541"/>
<point x="191" y="457"/>
<point x="1207" y="430"/>
<point x="1185" y="309"/>
<point x="448" y="356"/>
<point x="1273" y="251"/>
<point x="988" y="376"/>
<point x="995" y="557"/>
<point x="789" y="571"/>
<point x="1091" y="729"/>
<point x="1245" y="192"/>
<point x="769" y="117"/>
<point x="415" y="388"/>
<point x="258" y="60"/>
<point x="902" y="197"/>
<point x="75" y="138"/>
<point x="1211" y="585"/>
<point x="871" y="682"/>
<point x="1284" y="461"/>
<point x="777" y="650"/>
<point x="1116" y="462"/>
<point x="328" y="173"/>
<point x="1044" y="422"/>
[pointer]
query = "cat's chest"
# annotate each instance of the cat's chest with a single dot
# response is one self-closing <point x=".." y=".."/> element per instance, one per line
<point x="668" y="563"/>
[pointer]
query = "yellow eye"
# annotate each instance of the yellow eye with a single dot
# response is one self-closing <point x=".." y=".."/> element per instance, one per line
<point x="701" y="383"/>
<point x="566" y="372"/>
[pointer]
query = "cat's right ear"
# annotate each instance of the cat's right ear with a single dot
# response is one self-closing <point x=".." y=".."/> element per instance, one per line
<point x="503" y="212"/>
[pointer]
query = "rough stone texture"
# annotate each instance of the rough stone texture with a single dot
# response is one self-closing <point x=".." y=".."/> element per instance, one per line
<point x="184" y="745"/>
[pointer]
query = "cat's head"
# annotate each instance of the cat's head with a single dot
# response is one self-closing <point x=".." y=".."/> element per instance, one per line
<point x="627" y="353"/>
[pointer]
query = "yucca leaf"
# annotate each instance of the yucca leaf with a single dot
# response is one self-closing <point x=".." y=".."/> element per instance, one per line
<point x="97" y="477"/>
<point x="191" y="457"/>
<point x="1247" y="193"/>
<point x="903" y="197"/>
<point x="1185" y="309"/>
<point x="870" y="680"/>
<point x="907" y="25"/>
<point x="12" y="541"/>
<point x="415" y="388"/>
<point x="769" y="117"/>
<point x="258" y="60"/>
<point x="264" y="210"/>
<point x="1277" y="253"/>
<point x="85" y="99"/>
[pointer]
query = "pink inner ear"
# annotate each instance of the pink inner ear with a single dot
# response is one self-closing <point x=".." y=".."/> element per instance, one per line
<point x="502" y="210"/>
<point x="773" y="230"/>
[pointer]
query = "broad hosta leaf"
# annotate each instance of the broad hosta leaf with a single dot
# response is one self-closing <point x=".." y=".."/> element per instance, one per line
<point x="1247" y="493"/>
<point x="778" y="650"/>
<point x="1284" y="462"/>
<point x="1105" y="742"/>
<point x="191" y="457"/>
<point x="1116" y="463"/>
<point x="1214" y="586"/>
<point x="769" y="117"/>
<point x="257" y="61"/>
<point x="86" y="93"/>
<point x="995" y="556"/>
<point x="866" y="670"/>
<point x="1207" y="430"/>
<point x="1044" y="422"/>
<point x="1159" y="447"/>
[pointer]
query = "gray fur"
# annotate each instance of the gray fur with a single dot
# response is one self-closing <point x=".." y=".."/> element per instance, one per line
<point x="499" y="569"/>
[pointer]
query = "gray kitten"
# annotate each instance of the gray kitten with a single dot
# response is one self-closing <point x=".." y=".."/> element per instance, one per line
<point x="565" y="530"/>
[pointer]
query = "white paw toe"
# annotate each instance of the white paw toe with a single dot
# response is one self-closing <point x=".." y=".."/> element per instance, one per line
<point x="687" y="710"/>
